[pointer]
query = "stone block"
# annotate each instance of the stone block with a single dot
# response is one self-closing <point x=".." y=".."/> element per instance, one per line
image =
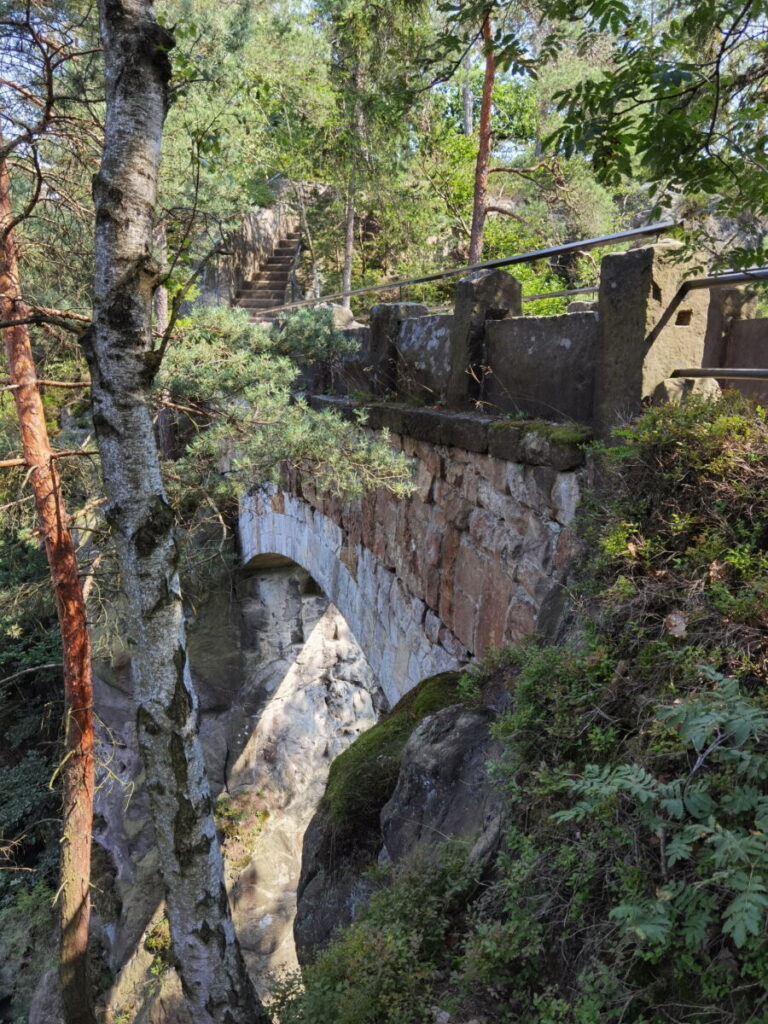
<point x="453" y="504"/>
<point x="425" y="425"/>
<point x="432" y="627"/>
<point x="471" y="569"/>
<point x="727" y="306"/>
<point x="453" y="645"/>
<point x="431" y="458"/>
<point x="542" y="365"/>
<point x="466" y="430"/>
<point x="537" y="450"/>
<point x="487" y="531"/>
<point x="484" y="295"/>
<point x="386" y="417"/>
<point x="648" y="328"/>
<point x="386" y="319"/>
<point x="424" y="356"/>
<point x="676" y="390"/>
<point x="451" y="543"/>
<point x="521" y="618"/>
<point x="747" y="347"/>
<point x="565" y="495"/>
<point x="463" y="619"/>
<point x="424" y="482"/>
<point x="494" y="610"/>
<point x="505" y="440"/>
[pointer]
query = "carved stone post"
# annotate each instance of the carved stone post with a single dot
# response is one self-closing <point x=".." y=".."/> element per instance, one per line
<point x="647" y="328"/>
<point x="484" y="295"/>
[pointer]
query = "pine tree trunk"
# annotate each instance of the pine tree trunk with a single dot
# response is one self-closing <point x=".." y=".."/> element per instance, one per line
<point x="119" y="347"/>
<point x="484" y="149"/>
<point x="77" y="770"/>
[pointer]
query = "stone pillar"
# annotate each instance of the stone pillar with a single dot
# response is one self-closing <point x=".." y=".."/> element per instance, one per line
<point x="727" y="307"/>
<point x="385" y="327"/>
<point x="647" y="329"/>
<point x="484" y="295"/>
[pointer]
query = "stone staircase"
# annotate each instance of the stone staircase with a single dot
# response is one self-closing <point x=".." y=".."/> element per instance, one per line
<point x="267" y="290"/>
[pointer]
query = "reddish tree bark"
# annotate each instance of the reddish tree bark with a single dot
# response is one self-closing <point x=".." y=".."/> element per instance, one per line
<point x="484" y="151"/>
<point x="77" y="766"/>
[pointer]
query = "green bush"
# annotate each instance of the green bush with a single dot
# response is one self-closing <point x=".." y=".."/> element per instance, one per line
<point x="388" y="965"/>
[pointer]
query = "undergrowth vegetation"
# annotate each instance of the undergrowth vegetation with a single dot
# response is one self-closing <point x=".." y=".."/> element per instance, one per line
<point x="633" y="883"/>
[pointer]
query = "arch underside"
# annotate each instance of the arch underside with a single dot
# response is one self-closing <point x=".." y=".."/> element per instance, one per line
<point x="389" y="623"/>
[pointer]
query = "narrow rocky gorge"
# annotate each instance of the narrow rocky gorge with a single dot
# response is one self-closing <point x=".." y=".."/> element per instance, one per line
<point x="283" y="688"/>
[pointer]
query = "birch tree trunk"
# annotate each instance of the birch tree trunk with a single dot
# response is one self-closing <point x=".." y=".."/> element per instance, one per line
<point x="77" y="770"/>
<point x="484" y="151"/>
<point x="123" y="363"/>
<point x="467" y="99"/>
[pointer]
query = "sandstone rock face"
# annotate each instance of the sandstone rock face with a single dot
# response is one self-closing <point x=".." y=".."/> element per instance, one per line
<point x="443" y="789"/>
<point x="443" y="793"/>
<point x="291" y="691"/>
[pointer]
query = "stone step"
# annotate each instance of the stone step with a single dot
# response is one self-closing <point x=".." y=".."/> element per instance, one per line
<point x="246" y="298"/>
<point x="259" y="303"/>
<point x="274" y="283"/>
<point x="283" y="264"/>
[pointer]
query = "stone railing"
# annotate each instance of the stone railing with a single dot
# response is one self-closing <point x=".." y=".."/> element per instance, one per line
<point x="595" y="365"/>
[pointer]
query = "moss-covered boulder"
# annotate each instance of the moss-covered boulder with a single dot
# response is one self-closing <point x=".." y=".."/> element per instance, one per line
<point x="418" y="775"/>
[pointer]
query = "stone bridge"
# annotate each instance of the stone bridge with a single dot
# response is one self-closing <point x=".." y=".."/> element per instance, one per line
<point x="477" y="556"/>
<point x="474" y="558"/>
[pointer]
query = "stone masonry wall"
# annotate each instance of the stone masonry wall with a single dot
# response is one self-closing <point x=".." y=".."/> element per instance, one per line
<point x="474" y="558"/>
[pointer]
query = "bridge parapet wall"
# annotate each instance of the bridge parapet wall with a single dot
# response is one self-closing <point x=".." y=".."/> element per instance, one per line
<point x="595" y="366"/>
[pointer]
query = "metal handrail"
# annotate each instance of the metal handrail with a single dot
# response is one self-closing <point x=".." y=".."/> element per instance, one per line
<point x="562" y="295"/>
<point x="722" y="373"/>
<point x="507" y="261"/>
<point x="729" y="277"/>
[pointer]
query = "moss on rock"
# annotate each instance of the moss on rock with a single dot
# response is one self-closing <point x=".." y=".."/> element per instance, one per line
<point x="361" y="779"/>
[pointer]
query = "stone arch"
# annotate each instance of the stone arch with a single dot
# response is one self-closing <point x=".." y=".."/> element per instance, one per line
<point x="391" y="626"/>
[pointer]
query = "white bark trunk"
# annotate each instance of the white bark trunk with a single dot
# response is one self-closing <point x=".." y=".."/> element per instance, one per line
<point x="123" y="365"/>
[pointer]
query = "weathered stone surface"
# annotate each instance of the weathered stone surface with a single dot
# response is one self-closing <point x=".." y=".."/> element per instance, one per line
<point x="677" y="389"/>
<point x="747" y="347"/>
<point x="484" y="295"/>
<point x="424" y="352"/>
<point x="443" y="791"/>
<point x="386" y="319"/>
<point x="466" y="430"/>
<point x="543" y="365"/>
<point x="350" y="373"/>
<point x="327" y="900"/>
<point x="315" y="541"/>
<point x="727" y="306"/>
<point x="442" y="794"/>
<point x="646" y="329"/>
<point x="478" y="535"/>
<point x="302" y="693"/>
